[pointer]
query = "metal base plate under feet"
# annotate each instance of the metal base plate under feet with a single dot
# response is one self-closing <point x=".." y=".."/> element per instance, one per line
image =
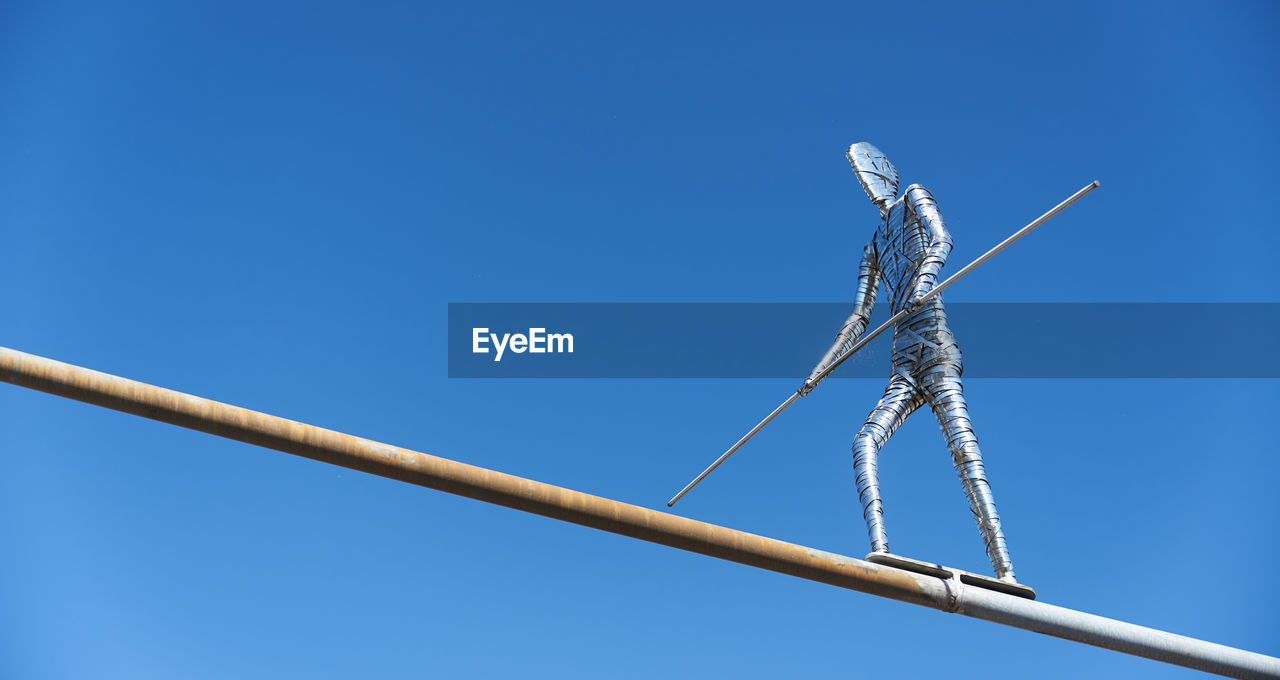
<point x="939" y="571"/>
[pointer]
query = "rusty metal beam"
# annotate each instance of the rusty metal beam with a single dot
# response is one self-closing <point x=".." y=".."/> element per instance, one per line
<point x="336" y="448"/>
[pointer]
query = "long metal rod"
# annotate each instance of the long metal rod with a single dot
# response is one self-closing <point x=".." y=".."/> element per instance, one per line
<point x="889" y="323"/>
<point x="345" y="450"/>
<point x="724" y="456"/>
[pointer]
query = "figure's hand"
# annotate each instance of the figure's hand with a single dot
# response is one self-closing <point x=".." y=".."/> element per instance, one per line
<point x="845" y="339"/>
<point x="917" y="298"/>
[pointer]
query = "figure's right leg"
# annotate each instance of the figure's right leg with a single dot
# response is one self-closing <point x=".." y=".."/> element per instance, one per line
<point x="945" y="392"/>
<point x="900" y="398"/>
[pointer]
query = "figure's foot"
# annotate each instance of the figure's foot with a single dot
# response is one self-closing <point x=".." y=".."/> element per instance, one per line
<point x="1004" y="584"/>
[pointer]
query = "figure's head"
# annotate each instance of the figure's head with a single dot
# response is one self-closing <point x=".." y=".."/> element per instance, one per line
<point x="876" y="174"/>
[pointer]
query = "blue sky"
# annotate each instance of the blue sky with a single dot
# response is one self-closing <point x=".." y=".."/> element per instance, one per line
<point x="271" y="204"/>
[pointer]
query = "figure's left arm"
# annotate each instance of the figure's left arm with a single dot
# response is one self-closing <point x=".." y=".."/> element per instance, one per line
<point x="939" y="241"/>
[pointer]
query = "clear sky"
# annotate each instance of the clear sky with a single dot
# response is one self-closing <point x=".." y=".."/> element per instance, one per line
<point x="271" y="204"/>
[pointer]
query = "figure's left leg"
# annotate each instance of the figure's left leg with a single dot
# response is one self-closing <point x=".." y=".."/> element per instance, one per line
<point x="945" y="393"/>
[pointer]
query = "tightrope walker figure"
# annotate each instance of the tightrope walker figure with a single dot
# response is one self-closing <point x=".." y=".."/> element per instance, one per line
<point x="904" y="257"/>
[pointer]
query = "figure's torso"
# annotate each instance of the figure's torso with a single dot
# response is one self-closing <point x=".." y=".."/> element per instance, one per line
<point x="922" y="338"/>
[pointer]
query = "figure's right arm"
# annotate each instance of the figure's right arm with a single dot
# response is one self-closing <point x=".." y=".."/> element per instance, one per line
<point x="863" y="302"/>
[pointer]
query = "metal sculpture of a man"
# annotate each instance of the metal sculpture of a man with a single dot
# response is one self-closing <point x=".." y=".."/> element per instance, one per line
<point x="904" y="258"/>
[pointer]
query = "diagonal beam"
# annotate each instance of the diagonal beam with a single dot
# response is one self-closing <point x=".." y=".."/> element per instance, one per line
<point x="336" y="448"/>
